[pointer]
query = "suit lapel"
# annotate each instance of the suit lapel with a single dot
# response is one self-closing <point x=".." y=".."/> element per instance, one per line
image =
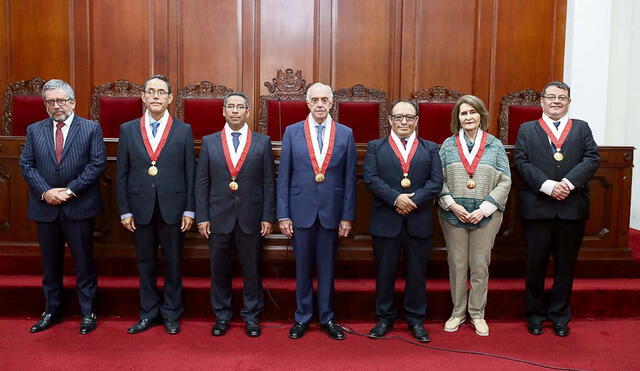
<point x="252" y="149"/>
<point x="169" y="137"/>
<point x="47" y="129"/>
<point x="544" y="139"/>
<point x="71" y="135"/>
<point x="417" y="158"/>
<point x="392" y="156"/>
<point x="216" y="149"/>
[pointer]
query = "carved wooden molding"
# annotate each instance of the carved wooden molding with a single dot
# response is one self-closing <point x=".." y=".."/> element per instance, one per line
<point x="286" y="86"/>
<point x="436" y="94"/>
<point x="203" y="89"/>
<point x="526" y="97"/>
<point x="118" y="88"/>
<point x="360" y="93"/>
<point x="22" y="87"/>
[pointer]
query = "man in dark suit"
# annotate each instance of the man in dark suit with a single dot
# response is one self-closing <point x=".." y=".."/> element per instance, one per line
<point x="404" y="174"/>
<point x="555" y="156"/>
<point x="316" y="203"/>
<point x="235" y="208"/>
<point x="156" y="175"/>
<point x="62" y="159"/>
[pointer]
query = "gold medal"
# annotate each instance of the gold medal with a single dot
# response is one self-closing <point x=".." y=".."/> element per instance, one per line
<point x="406" y="182"/>
<point x="153" y="170"/>
<point x="471" y="184"/>
<point x="319" y="178"/>
<point x="233" y="185"/>
<point x="558" y="156"/>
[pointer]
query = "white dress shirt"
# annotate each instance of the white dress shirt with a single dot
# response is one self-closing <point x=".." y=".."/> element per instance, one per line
<point x="325" y="137"/>
<point x="155" y="141"/>
<point x="547" y="186"/>
<point x="65" y="129"/>
<point x="235" y="155"/>
<point x="404" y="151"/>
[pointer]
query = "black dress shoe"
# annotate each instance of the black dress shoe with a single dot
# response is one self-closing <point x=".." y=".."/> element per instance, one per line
<point x="535" y="328"/>
<point x="560" y="330"/>
<point x="252" y="328"/>
<point x="88" y="323"/>
<point x="47" y="320"/>
<point x="419" y="333"/>
<point x="172" y="326"/>
<point x="380" y="329"/>
<point x="333" y="330"/>
<point x="142" y="325"/>
<point x="297" y="330"/>
<point x="220" y="328"/>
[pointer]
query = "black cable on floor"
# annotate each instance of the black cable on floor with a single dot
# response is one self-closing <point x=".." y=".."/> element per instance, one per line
<point x="498" y="356"/>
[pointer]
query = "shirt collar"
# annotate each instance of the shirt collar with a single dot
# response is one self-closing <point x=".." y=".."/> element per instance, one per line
<point x="243" y="130"/>
<point x="163" y="120"/>
<point x="324" y="123"/>
<point x="409" y="139"/>
<point x="563" y="120"/>
<point x="68" y="121"/>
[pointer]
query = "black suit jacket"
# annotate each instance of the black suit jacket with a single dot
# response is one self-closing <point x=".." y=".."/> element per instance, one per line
<point x="173" y="186"/>
<point x="253" y="202"/>
<point x="382" y="175"/>
<point x="82" y="163"/>
<point x="534" y="161"/>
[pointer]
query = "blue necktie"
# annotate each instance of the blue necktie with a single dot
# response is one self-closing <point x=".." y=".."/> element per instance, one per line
<point x="235" y="140"/>
<point x="320" y="132"/>
<point x="154" y="128"/>
<point x="556" y="124"/>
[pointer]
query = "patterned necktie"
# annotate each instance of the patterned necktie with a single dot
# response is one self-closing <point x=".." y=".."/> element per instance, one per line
<point x="404" y="142"/>
<point x="320" y="132"/>
<point x="154" y="128"/>
<point x="59" y="141"/>
<point x="235" y="140"/>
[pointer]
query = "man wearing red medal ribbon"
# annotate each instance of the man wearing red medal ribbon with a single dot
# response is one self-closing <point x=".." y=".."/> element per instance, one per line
<point x="404" y="174"/>
<point x="316" y="196"/>
<point x="155" y="187"/>
<point x="235" y="208"/>
<point x="555" y="156"/>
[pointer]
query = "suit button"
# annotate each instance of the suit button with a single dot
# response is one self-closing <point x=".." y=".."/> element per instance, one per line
<point x="153" y="186"/>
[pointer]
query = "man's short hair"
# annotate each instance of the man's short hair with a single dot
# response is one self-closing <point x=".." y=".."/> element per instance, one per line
<point x="474" y="102"/>
<point x="236" y="94"/>
<point x="412" y="103"/>
<point x="59" y="84"/>
<point x="159" y="77"/>
<point x="319" y="85"/>
<point x="559" y="85"/>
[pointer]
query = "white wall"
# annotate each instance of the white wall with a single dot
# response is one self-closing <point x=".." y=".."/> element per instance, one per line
<point x="602" y="62"/>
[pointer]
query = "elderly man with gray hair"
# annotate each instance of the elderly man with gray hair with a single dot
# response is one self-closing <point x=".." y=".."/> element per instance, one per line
<point x="316" y="201"/>
<point x="62" y="160"/>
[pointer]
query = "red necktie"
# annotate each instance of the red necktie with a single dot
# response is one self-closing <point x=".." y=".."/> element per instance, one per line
<point x="404" y="142"/>
<point x="59" y="141"/>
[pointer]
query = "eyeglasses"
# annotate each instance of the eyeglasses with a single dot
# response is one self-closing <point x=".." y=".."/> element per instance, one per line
<point x="398" y="118"/>
<point x="239" y="107"/>
<point x="60" y="102"/>
<point x="561" y="98"/>
<point x="152" y="92"/>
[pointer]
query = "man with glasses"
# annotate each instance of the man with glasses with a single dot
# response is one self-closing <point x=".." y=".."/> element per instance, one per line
<point x="155" y="186"/>
<point x="62" y="160"/>
<point x="404" y="174"/>
<point x="235" y="208"/>
<point x="555" y="156"/>
<point x="316" y="203"/>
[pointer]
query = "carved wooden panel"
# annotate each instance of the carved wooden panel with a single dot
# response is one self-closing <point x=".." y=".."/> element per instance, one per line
<point x="118" y="88"/>
<point x="203" y="89"/>
<point x="526" y="97"/>
<point x="436" y="94"/>
<point x="287" y="85"/>
<point x="361" y="93"/>
<point x="23" y="87"/>
<point x="5" y="194"/>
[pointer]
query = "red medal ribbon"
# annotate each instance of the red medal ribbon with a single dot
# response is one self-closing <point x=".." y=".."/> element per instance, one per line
<point x="404" y="164"/>
<point x="556" y="142"/>
<point x="234" y="170"/>
<point x="312" y="154"/>
<point x="471" y="167"/>
<point x="153" y="155"/>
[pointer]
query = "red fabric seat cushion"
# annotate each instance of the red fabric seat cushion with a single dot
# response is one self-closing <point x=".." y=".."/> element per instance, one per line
<point x="362" y="117"/>
<point x="291" y="111"/>
<point x="27" y="109"/>
<point x="435" y="121"/>
<point x="204" y="115"/>
<point x="115" y="111"/>
<point x="519" y="115"/>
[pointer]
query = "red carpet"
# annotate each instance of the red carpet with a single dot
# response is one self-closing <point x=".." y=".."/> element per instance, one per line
<point x="592" y="345"/>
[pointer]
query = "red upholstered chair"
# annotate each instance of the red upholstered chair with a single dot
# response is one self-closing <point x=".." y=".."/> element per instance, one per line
<point x="435" y="106"/>
<point x="285" y="105"/>
<point x="362" y="109"/>
<point x="515" y="109"/>
<point x="23" y="105"/>
<point x="200" y="106"/>
<point x="114" y="103"/>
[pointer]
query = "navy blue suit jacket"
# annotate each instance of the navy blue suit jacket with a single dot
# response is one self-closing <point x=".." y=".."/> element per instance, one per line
<point x="174" y="185"/>
<point x="82" y="163"/>
<point x="382" y="174"/>
<point x="300" y="198"/>
<point x="253" y="202"/>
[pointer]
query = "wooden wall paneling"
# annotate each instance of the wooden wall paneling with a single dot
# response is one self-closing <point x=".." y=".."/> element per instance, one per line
<point x="159" y="19"/>
<point x="484" y="52"/>
<point x="247" y="69"/>
<point x="4" y="49"/>
<point x="363" y="43"/>
<point x="529" y="43"/>
<point x="286" y="39"/>
<point x="324" y="38"/>
<point x="81" y="55"/>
